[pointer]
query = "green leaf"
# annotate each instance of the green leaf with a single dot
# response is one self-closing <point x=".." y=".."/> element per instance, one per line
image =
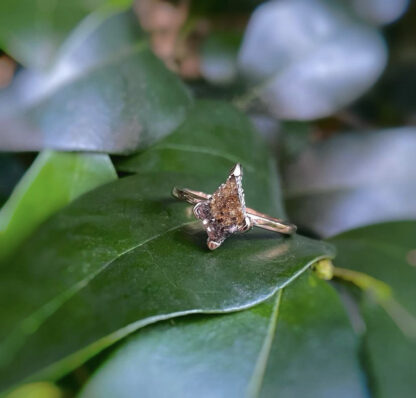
<point x="215" y="133"/>
<point x="353" y="180"/>
<point x="297" y="344"/>
<point x="36" y="390"/>
<point x="54" y="180"/>
<point x="386" y="252"/>
<point x="32" y="31"/>
<point x="107" y="93"/>
<point x="126" y="255"/>
<point x="307" y="59"/>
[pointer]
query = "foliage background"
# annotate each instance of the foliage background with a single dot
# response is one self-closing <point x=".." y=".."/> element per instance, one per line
<point x="106" y="286"/>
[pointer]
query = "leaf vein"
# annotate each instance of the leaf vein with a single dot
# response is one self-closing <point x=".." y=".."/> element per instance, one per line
<point x="255" y="384"/>
<point x="31" y="324"/>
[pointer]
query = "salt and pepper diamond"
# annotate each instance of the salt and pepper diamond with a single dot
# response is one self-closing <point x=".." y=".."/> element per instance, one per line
<point x="224" y="213"/>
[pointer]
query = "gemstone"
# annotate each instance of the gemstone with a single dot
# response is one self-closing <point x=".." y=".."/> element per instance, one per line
<point x="224" y="213"/>
<point x="227" y="206"/>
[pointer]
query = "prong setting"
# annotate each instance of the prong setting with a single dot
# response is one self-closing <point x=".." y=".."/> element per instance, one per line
<point x="237" y="171"/>
<point x="248" y="224"/>
<point x="212" y="245"/>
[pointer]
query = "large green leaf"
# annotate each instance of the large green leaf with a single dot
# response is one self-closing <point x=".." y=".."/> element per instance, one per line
<point x="217" y="134"/>
<point x="353" y="180"/>
<point x="107" y="92"/>
<point x="32" y="31"/>
<point x="126" y="255"/>
<point x="297" y="344"/>
<point x="306" y="59"/>
<point x="53" y="180"/>
<point x="387" y="253"/>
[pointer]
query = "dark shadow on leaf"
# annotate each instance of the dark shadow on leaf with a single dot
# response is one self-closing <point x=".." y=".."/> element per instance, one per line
<point x="193" y="234"/>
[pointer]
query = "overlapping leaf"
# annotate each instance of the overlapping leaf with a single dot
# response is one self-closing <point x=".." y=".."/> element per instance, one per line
<point x="353" y="180"/>
<point x="53" y="181"/>
<point x="215" y="133"/>
<point x="107" y="92"/>
<point x="126" y="255"/>
<point x="306" y="59"/>
<point x="298" y="343"/>
<point x="381" y="11"/>
<point x="386" y="252"/>
<point x="11" y="169"/>
<point x="32" y="31"/>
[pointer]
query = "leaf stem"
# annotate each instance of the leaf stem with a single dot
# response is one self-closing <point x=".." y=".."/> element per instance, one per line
<point x="379" y="290"/>
<point x="404" y="320"/>
<point x="244" y="101"/>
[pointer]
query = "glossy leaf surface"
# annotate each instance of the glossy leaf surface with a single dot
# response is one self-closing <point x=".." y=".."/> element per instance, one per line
<point x="302" y="335"/>
<point x="381" y="11"/>
<point x="215" y="134"/>
<point x="306" y="59"/>
<point x="32" y="31"/>
<point x="127" y="254"/>
<point x="53" y="181"/>
<point x="107" y="92"/>
<point x="341" y="183"/>
<point x="386" y="252"/>
<point x="36" y="390"/>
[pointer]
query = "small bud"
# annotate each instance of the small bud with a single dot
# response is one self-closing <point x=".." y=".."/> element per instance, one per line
<point x="324" y="269"/>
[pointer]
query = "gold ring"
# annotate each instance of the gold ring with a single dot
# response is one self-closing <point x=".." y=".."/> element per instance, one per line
<point x="224" y="212"/>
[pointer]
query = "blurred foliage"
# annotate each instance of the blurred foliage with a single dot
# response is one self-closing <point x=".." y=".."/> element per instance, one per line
<point x="329" y="85"/>
<point x="392" y="100"/>
<point x="306" y="46"/>
<point x="344" y="175"/>
<point x="32" y="31"/>
<point x="77" y="106"/>
<point x="384" y="251"/>
<point x="36" y="390"/>
<point x="220" y="7"/>
<point x="219" y="57"/>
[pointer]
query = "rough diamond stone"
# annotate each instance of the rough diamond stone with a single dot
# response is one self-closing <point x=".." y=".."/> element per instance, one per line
<point x="225" y="212"/>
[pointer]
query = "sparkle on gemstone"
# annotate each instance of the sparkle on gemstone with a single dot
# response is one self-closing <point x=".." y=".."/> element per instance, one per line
<point x="224" y="213"/>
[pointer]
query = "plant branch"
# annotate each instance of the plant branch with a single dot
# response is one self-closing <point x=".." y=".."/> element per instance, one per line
<point x="379" y="290"/>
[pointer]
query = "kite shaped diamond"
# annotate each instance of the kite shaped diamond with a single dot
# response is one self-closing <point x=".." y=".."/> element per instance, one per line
<point x="224" y="213"/>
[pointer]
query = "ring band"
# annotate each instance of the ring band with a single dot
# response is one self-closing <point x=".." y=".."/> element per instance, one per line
<point x="260" y="220"/>
<point x="224" y="212"/>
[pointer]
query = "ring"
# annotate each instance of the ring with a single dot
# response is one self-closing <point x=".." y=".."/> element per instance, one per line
<point x="224" y="212"/>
